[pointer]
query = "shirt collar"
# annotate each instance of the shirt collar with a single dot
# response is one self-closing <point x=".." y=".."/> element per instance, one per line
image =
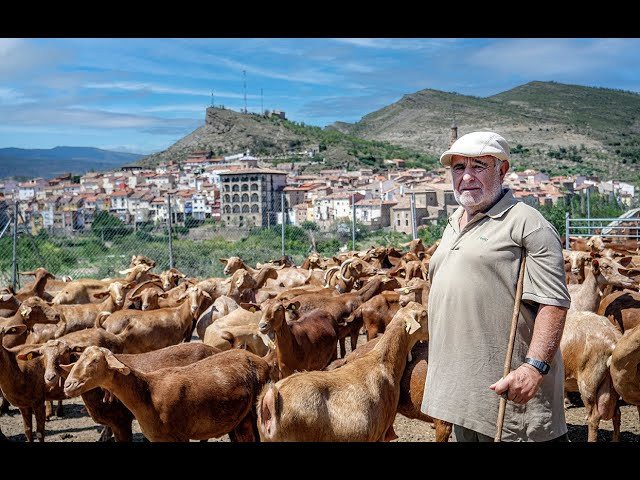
<point x="500" y="208"/>
<point x="504" y="204"/>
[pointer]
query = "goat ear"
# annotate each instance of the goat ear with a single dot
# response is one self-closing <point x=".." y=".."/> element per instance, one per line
<point x="223" y="260"/>
<point x="29" y="354"/>
<point x="294" y="306"/>
<point x="166" y="295"/>
<point x="411" y="325"/>
<point x="100" y="294"/>
<point x="116" y="364"/>
<point x="15" y="329"/>
<point x="67" y="368"/>
<point x="6" y="297"/>
<point x="135" y="297"/>
<point x="625" y="261"/>
<point x="252" y="307"/>
<point x="205" y="294"/>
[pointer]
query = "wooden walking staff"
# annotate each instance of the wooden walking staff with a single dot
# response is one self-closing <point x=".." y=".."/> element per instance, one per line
<point x="512" y="341"/>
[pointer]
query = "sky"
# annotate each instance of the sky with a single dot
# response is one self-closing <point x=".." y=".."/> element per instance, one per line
<point x="141" y="95"/>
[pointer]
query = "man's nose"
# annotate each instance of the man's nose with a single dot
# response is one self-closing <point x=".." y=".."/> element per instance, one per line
<point x="466" y="177"/>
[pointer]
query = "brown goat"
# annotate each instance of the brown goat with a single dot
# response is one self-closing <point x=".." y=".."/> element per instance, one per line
<point x="622" y="309"/>
<point x="169" y="404"/>
<point x="113" y="414"/>
<point x="306" y="344"/>
<point x="356" y="402"/>
<point x="22" y="383"/>
<point x="154" y="329"/>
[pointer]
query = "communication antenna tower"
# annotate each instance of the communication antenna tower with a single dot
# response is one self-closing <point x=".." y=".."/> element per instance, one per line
<point x="244" y="73"/>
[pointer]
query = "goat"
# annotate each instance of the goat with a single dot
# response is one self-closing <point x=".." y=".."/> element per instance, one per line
<point x="586" y="297"/>
<point x="356" y="402"/>
<point x="411" y="385"/>
<point x="587" y="343"/>
<point x="113" y="414"/>
<point x="625" y="370"/>
<point x="22" y="383"/>
<point x="622" y="309"/>
<point x="153" y="329"/>
<point x="307" y="344"/>
<point x="222" y="389"/>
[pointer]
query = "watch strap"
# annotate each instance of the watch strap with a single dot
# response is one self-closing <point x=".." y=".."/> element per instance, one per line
<point x="542" y="367"/>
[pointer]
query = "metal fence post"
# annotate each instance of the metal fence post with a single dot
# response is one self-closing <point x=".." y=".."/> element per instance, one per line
<point x="414" y="229"/>
<point x="589" y="208"/>
<point x="283" y="218"/>
<point x="169" y="225"/>
<point x="566" y="231"/>
<point x="353" y="222"/>
<point x="14" y="276"/>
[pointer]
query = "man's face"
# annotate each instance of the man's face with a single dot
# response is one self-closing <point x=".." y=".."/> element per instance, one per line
<point x="477" y="183"/>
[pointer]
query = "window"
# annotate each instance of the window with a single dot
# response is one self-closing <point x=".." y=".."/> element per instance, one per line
<point x="245" y="209"/>
<point x="406" y="223"/>
<point x="398" y="222"/>
<point x="235" y="188"/>
<point x="255" y="197"/>
<point x="236" y="198"/>
<point x="245" y="197"/>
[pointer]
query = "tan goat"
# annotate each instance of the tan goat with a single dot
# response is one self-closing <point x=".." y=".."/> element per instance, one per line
<point x="206" y="399"/>
<point x="588" y="340"/>
<point x="587" y="296"/>
<point x="356" y="402"/>
<point x="625" y="367"/>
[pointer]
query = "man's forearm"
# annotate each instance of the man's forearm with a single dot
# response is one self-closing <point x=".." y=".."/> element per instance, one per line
<point x="547" y="332"/>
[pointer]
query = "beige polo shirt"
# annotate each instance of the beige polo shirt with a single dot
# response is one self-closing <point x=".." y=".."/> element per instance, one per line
<point x="474" y="273"/>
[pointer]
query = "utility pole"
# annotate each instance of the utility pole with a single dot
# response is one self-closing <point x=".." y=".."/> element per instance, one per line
<point x="14" y="278"/>
<point x="170" y="230"/>
<point x="353" y="228"/>
<point x="261" y="103"/>
<point x="283" y="218"/>
<point x="413" y="216"/>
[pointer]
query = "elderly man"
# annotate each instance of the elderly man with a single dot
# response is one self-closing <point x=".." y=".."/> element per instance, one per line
<point x="474" y="274"/>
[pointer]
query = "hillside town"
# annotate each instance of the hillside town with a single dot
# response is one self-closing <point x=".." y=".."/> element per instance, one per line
<point x="244" y="191"/>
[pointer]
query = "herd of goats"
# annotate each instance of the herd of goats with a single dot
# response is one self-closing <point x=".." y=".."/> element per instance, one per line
<point x="271" y="362"/>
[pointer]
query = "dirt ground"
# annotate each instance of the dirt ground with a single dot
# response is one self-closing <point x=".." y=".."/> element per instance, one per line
<point x="77" y="426"/>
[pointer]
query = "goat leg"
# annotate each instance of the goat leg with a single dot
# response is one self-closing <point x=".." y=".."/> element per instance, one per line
<point x="59" y="409"/>
<point x="616" y="423"/>
<point x="39" y="412"/>
<point x="49" y="409"/>
<point x="4" y="406"/>
<point x="27" y="422"/>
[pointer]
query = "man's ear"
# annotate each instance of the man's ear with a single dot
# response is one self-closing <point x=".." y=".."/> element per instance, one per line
<point x="504" y="168"/>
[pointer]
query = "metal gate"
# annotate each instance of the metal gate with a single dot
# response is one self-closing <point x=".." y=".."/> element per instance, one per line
<point x="625" y="227"/>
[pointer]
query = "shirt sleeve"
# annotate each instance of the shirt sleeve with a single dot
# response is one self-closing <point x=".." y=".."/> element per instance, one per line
<point x="544" y="280"/>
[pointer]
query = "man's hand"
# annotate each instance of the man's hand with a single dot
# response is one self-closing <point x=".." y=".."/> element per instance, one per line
<point x="521" y="384"/>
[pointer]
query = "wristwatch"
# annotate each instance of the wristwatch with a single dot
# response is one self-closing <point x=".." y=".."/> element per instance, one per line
<point x="542" y="367"/>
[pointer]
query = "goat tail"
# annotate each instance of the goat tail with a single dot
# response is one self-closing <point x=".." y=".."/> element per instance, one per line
<point x="100" y="318"/>
<point x="268" y="411"/>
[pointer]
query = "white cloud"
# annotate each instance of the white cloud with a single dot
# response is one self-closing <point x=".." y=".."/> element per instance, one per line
<point x="9" y="96"/>
<point x="546" y="58"/>
<point x="154" y="88"/>
<point x="396" y="43"/>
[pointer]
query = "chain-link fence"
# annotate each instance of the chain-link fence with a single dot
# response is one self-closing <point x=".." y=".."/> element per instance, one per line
<point x="104" y="246"/>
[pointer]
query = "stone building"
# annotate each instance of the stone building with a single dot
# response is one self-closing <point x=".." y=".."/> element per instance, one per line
<point x="251" y="197"/>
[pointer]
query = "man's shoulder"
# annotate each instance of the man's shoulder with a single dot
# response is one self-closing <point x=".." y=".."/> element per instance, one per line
<point x="528" y="213"/>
